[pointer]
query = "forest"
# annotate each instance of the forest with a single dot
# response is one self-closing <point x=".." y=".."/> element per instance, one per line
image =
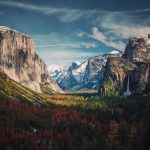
<point x="76" y="122"/>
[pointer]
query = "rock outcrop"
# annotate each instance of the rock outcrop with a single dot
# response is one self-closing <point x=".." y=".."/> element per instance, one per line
<point x="115" y="76"/>
<point x="131" y="72"/>
<point x="20" y="62"/>
<point x="138" y="50"/>
<point x="140" y="78"/>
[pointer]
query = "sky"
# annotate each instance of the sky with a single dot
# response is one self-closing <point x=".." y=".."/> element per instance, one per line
<point x="75" y="30"/>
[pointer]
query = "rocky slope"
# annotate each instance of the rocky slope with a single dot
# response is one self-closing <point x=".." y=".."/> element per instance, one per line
<point x="11" y="90"/>
<point x="20" y="62"/>
<point x="85" y="75"/>
<point x="57" y="72"/>
<point x="130" y="73"/>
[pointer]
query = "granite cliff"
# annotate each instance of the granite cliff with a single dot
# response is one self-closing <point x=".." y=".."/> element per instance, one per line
<point x="20" y="62"/>
<point x="129" y="73"/>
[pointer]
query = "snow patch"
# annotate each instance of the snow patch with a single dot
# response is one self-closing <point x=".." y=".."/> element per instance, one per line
<point x="114" y="52"/>
<point x="144" y="50"/>
<point x="57" y="72"/>
<point x="4" y="29"/>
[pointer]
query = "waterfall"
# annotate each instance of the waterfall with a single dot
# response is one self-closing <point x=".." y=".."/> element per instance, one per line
<point x="127" y="92"/>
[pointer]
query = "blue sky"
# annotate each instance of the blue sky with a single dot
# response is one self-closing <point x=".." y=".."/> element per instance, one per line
<point x="69" y="30"/>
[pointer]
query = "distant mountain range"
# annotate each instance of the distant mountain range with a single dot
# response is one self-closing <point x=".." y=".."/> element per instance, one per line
<point x="113" y="73"/>
<point x="85" y="75"/>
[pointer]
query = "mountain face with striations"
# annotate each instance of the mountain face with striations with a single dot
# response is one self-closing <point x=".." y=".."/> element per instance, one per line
<point x="114" y="73"/>
<point x="20" y="62"/>
<point x="138" y="49"/>
<point x="57" y="72"/>
<point x="129" y="73"/>
<point x="85" y="75"/>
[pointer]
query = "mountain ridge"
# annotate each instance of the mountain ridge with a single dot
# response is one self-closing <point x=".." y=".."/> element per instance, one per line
<point x="84" y="75"/>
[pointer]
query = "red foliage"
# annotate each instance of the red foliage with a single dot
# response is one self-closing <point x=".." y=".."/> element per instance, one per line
<point x="113" y="132"/>
<point x="23" y="137"/>
<point x="46" y="127"/>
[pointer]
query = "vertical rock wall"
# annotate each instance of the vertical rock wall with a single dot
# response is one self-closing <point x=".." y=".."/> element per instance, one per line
<point x="20" y="62"/>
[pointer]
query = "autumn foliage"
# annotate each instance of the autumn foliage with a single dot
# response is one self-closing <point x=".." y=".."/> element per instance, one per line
<point x="26" y="126"/>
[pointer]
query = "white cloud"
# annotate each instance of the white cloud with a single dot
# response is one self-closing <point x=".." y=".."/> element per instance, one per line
<point x="125" y="25"/>
<point x="88" y="45"/>
<point x="115" y="27"/>
<point x="58" y="56"/>
<point x="118" y="25"/>
<point x="70" y="45"/>
<point x="128" y="31"/>
<point x="68" y="14"/>
<point x="100" y="36"/>
<point x="80" y="34"/>
<point x="63" y="14"/>
<point x="118" y="45"/>
<point x="58" y="40"/>
<point x="96" y="34"/>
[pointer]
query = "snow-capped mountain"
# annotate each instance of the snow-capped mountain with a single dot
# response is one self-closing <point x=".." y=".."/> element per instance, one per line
<point x="57" y="72"/>
<point x="85" y="75"/>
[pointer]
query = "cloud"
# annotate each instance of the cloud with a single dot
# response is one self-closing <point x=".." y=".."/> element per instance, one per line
<point x="63" y="14"/>
<point x="128" y="31"/>
<point x="64" y="56"/>
<point x="59" y="40"/>
<point x="88" y="45"/>
<point x="109" y="27"/>
<point x="70" y="45"/>
<point x="80" y="34"/>
<point x="68" y="14"/>
<point x="96" y="34"/>
<point x="130" y="26"/>
<point x="101" y="37"/>
<point x="114" y="28"/>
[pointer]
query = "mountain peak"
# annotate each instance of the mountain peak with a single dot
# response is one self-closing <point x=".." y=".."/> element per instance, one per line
<point x="4" y="29"/>
<point x="114" y="52"/>
<point x="138" y="49"/>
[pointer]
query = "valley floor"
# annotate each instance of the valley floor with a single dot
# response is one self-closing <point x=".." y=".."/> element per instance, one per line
<point x="75" y="122"/>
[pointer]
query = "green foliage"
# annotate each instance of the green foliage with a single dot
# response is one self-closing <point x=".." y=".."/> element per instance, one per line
<point x="119" y="123"/>
<point x="109" y="88"/>
<point x="46" y="90"/>
<point x="127" y="69"/>
<point x="13" y="90"/>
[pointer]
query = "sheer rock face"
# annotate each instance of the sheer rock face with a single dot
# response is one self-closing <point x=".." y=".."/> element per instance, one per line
<point x="140" y="78"/>
<point x="138" y="50"/>
<point x="131" y="70"/>
<point x="20" y="62"/>
<point x="115" y="76"/>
